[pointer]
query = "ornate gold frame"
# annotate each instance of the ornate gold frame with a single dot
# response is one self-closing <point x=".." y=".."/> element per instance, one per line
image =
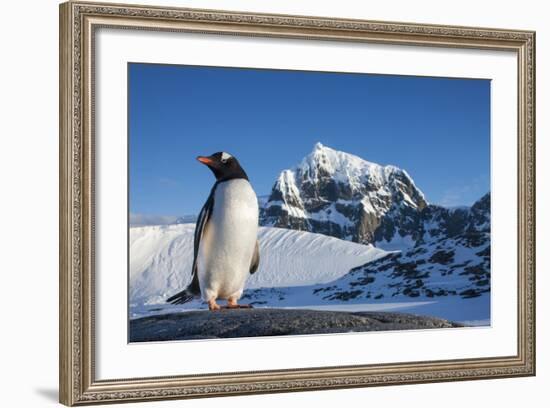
<point x="78" y="20"/>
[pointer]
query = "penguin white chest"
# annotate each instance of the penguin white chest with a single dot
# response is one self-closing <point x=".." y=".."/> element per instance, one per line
<point x="227" y="245"/>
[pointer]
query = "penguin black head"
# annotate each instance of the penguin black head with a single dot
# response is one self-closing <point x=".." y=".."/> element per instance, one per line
<point x="224" y="166"/>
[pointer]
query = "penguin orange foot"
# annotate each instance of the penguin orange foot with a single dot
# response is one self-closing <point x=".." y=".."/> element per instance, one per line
<point x="213" y="306"/>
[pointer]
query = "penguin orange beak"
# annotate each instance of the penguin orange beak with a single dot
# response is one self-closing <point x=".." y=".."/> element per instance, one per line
<point x="205" y="160"/>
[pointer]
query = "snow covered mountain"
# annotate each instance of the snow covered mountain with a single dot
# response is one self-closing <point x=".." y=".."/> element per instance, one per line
<point x="452" y="257"/>
<point x="161" y="258"/>
<point x="459" y="266"/>
<point x="341" y="195"/>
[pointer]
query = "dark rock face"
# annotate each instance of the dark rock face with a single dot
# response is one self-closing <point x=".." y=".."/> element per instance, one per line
<point x="226" y="323"/>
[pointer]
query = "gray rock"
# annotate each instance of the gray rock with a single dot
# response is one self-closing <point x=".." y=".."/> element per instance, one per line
<point x="232" y="323"/>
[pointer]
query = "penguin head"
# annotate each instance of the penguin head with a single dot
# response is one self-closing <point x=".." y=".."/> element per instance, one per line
<point x="224" y="166"/>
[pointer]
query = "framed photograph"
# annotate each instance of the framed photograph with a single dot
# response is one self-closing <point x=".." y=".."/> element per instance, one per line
<point x="255" y="203"/>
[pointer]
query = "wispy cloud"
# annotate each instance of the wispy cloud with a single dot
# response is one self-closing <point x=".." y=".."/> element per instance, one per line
<point x="455" y="196"/>
<point x="465" y="194"/>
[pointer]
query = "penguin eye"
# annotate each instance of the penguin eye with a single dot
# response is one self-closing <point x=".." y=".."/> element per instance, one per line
<point x="224" y="161"/>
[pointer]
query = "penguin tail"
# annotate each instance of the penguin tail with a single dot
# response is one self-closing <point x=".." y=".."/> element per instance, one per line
<point x="182" y="297"/>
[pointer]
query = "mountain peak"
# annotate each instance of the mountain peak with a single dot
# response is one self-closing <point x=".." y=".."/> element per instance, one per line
<point x="324" y="161"/>
<point x="318" y="146"/>
<point x="340" y="194"/>
<point x="320" y="149"/>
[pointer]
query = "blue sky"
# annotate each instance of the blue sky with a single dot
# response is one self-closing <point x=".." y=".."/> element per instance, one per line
<point x="438" y="129"/>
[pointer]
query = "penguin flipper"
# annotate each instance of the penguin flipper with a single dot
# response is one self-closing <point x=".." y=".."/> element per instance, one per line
<point x="255" y="258"/>
<point x="193" y="290"/>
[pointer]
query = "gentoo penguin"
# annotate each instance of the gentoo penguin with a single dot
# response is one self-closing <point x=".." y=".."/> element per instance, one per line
<point x="226" y="245"/>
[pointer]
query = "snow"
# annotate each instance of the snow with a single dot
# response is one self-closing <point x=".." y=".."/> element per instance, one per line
<point x="273" y="203"/>
<point x="343" y="167"/>
<point x="439" y="279"/>
<point x="409" y="200"/>
<point x="157" y="255"/>
<point x="295" y="212"/>
<point x="471" y="312"/>
<point x="301" y="270"/>
<point x="364" y="307"/>
<point x="476" y="311"/>
<point x="397" y="243"/>
<point x="331" y="214"/>
<point x="161" y="259"/>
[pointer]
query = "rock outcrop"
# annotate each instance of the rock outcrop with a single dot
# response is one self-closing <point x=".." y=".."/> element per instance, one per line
<point x="203" y="324"/>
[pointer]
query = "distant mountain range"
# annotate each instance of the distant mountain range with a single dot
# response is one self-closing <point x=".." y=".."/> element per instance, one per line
<point x="453" y="257"/>
<point x="341" y="195"/>
<point x="142" y="220"/>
